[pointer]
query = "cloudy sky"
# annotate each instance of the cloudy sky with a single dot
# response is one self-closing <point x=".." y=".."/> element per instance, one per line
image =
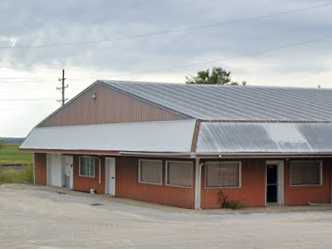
<point x="264" y="42"/>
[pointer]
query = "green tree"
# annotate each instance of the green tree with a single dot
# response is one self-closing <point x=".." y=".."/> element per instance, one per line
<point x="216" y="76"/>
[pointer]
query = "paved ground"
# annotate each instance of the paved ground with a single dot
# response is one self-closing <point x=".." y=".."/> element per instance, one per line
<point x="43" y="218"/>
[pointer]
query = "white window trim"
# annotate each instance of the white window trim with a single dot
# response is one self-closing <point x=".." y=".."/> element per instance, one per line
<point x="306" y="185"/>
<point x="160" y="183"/>
<point x="94" y="172"/>
<point x="175" y="185"/>
<point x="224" y="187"/>
<point x="281" y="180"/>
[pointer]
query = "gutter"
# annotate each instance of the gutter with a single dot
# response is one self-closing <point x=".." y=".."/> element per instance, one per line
<point x="160" y="154"/>
<point x="191" y="155"/>
<point x="195" y="155"/>
<point x="264" y="155"/>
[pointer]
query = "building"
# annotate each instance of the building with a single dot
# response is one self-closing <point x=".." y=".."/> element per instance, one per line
<point x="185" y="145"/>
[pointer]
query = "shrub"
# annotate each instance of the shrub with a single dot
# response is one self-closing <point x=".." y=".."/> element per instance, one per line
<point x="229" y="204"/>
<point x="17" y="176"/>
<point x="233" y="205"/>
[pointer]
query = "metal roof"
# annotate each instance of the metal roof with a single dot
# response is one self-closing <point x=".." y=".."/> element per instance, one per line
<point x="210" y="102"/>
<point x="159" y="136"/>
<point x="245" y="137"/>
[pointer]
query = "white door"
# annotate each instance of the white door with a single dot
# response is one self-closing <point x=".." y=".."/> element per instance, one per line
<point x="54" y="170"/>
<point x="67" y="162"/>
<point x="110" y="175"/>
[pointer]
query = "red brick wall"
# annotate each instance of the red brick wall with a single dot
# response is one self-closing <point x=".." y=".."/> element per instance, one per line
<point x="304" y="194"/>
<point x="252" y="190"/>
<point x="251" y="193"/>
<point x="40" y="168"/>
<point x="84" y="184"/>
<point x="127" y="186"/>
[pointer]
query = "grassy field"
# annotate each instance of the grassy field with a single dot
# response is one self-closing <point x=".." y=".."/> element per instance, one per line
<point x="10" y="154"/>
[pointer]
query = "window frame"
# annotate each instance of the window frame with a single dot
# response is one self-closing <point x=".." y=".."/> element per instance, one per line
<point x="95" y="166"/>
<point x="139" y="172"/>
<point x="321" y="175"/>
<point x="175" y="185"/>
<point x="223" y="187"/>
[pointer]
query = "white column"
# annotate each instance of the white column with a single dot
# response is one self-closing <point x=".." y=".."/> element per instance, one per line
<point x="281" y="179"/>
<point x="198" y="177"/>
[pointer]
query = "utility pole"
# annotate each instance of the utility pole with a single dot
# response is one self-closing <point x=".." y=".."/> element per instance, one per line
<point x="62" y="88"/>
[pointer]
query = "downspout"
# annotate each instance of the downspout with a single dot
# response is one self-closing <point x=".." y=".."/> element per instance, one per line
<point x="99" y="171"/>
<point x="198" y="184"/>
<point x="198" y="167"/>
<point x="34" y="168"/>
<point x="330" y="173"/>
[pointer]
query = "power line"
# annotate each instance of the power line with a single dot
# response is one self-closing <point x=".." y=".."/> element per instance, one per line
<point x="265" y="51"/>
<point x="14" y="80"/>
<point x="257" y="54"/>
<point x="176" y="30"/>
<point x="26" y="99"/>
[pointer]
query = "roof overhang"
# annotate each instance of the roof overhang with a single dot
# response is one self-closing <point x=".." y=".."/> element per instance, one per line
<point x="109" y="139"/>
<point x="264" y="139"/>
<point x="175" y="138"/>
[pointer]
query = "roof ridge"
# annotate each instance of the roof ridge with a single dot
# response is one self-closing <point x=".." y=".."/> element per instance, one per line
<point x="127" y="82"/>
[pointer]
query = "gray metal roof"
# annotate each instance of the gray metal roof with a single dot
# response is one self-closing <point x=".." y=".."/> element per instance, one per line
<point x="158" y="136"/>
<point x="245" y="137"/>
<point x="235" y="102"/>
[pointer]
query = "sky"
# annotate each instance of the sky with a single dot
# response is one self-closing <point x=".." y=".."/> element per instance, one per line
<point x="263" y="42"/>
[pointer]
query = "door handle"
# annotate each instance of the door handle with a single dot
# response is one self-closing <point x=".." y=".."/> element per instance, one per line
<point x="113" y="177"/>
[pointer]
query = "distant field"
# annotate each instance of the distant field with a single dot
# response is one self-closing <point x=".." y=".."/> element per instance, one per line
<point x="11" y="154"/>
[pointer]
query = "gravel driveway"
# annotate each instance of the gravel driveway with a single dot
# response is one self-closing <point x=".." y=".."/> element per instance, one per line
<point x="48" y="218"/>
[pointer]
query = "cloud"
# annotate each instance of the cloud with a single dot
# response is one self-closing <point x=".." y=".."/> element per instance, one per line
<point x="37" y="23"/>
<point x="160" y="40"/>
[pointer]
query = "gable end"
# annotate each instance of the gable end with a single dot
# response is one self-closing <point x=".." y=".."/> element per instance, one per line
<point x="101" y="104"/>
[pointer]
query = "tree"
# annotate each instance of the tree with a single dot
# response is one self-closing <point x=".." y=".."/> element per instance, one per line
<point x="217" y="76"/>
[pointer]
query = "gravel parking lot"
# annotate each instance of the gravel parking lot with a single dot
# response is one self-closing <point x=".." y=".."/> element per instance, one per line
<point x="48" y="218"/>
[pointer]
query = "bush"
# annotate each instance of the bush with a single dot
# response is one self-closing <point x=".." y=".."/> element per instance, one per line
<point x="17" y="176"/>
<point x="233" y="205"/>
<point x="229" y="204"/>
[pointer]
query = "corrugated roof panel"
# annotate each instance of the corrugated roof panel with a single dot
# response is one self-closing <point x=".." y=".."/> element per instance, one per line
<point x="235" y="102"/>
<point x="242" y="137"/>
<point x="162" y="136"/>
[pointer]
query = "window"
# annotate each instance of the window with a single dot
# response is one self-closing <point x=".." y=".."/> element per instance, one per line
<point x="179" y="173"/>
<point x="88" y="166"/>
<point x="305" y="172"/>
<point x="150" y="171"/>
<point x="223" y="174"/>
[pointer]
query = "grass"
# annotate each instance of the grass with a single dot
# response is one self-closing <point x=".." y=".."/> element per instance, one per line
<point x="17" y="176"/>
<point x="10" y="154"/>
